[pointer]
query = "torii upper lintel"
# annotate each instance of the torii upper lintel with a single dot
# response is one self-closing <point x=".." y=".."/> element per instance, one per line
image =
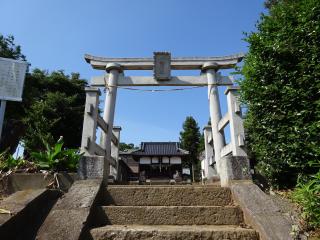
<point x="181" y="63"/>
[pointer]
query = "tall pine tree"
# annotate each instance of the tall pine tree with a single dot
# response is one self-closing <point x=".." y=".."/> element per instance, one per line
<point x="190" y="141"/>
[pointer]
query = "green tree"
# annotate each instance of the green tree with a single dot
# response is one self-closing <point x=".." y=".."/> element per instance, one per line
<point x="281" y="88"/>
<point x="190" y="141"/>
<point x="126" y="146"/>
<point x="56" y="110"/>
<point x="52" y="106"/>
<point x="8" y="49"/>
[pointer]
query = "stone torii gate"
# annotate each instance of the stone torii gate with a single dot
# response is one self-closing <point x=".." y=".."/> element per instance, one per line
<point x="231" y="160"/>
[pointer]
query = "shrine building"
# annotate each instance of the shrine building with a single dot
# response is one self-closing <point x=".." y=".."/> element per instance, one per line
<point x="156" y="160"/>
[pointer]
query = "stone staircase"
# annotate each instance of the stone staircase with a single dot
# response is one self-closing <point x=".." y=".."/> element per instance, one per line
<point x="170" y="212"/>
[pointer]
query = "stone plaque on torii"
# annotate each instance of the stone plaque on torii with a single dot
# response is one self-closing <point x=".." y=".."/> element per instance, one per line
<point x="162" y="63"/>
<point x="12" y="74"/>
<point x="162" y="66"/>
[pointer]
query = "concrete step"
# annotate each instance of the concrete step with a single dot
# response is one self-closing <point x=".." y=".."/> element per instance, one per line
<point x="26" y="211"/>
<point x="173" y="215"/>
<point x="168" y="196"/>
<point x="169" y="232"/>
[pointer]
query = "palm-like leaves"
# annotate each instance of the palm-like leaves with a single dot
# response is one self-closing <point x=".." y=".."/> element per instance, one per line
<point x="56" y="158"/>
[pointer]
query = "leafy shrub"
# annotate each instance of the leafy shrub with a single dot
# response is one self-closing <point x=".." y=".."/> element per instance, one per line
<point x="56" y="158"/>
<point x="307" y="195"/>
<point x="281" y="88"/>
<point x="7" y="161"/>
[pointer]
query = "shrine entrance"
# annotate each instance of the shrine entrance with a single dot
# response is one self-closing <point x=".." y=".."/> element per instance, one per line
<point x="217" y="152"/>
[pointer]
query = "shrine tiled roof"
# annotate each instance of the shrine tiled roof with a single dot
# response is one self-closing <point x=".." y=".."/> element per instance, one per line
<point x="160" y="149"/>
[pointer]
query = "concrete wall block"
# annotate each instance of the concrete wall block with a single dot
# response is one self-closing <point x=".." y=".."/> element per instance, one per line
<point x="261" y="212"/>
<point x="73" y="214"/>
<point x="91" y="167"/>
<point x="28" y="209"/>
<point x="24" y="181"/>
<point x="234" y="168"/>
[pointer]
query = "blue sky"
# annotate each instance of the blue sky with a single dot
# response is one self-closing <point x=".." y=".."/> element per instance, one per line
<point x="56" y="34"/>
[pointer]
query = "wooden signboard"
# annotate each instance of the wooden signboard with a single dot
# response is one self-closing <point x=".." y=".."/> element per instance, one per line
<point x="12" y="74"/>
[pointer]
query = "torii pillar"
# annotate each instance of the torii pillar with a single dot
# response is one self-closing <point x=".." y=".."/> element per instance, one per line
<point x="109" y="106"/>
<point x="215" y="110"/>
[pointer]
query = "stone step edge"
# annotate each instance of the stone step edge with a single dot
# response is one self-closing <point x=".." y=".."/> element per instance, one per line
<point x="164" y="206"/>
<point x="175" y="227"/>
<point x="101" y="232"/>
<point x="168" y="196"/>
<point x="163" y="186"/>
<point x="172" y="215"/>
